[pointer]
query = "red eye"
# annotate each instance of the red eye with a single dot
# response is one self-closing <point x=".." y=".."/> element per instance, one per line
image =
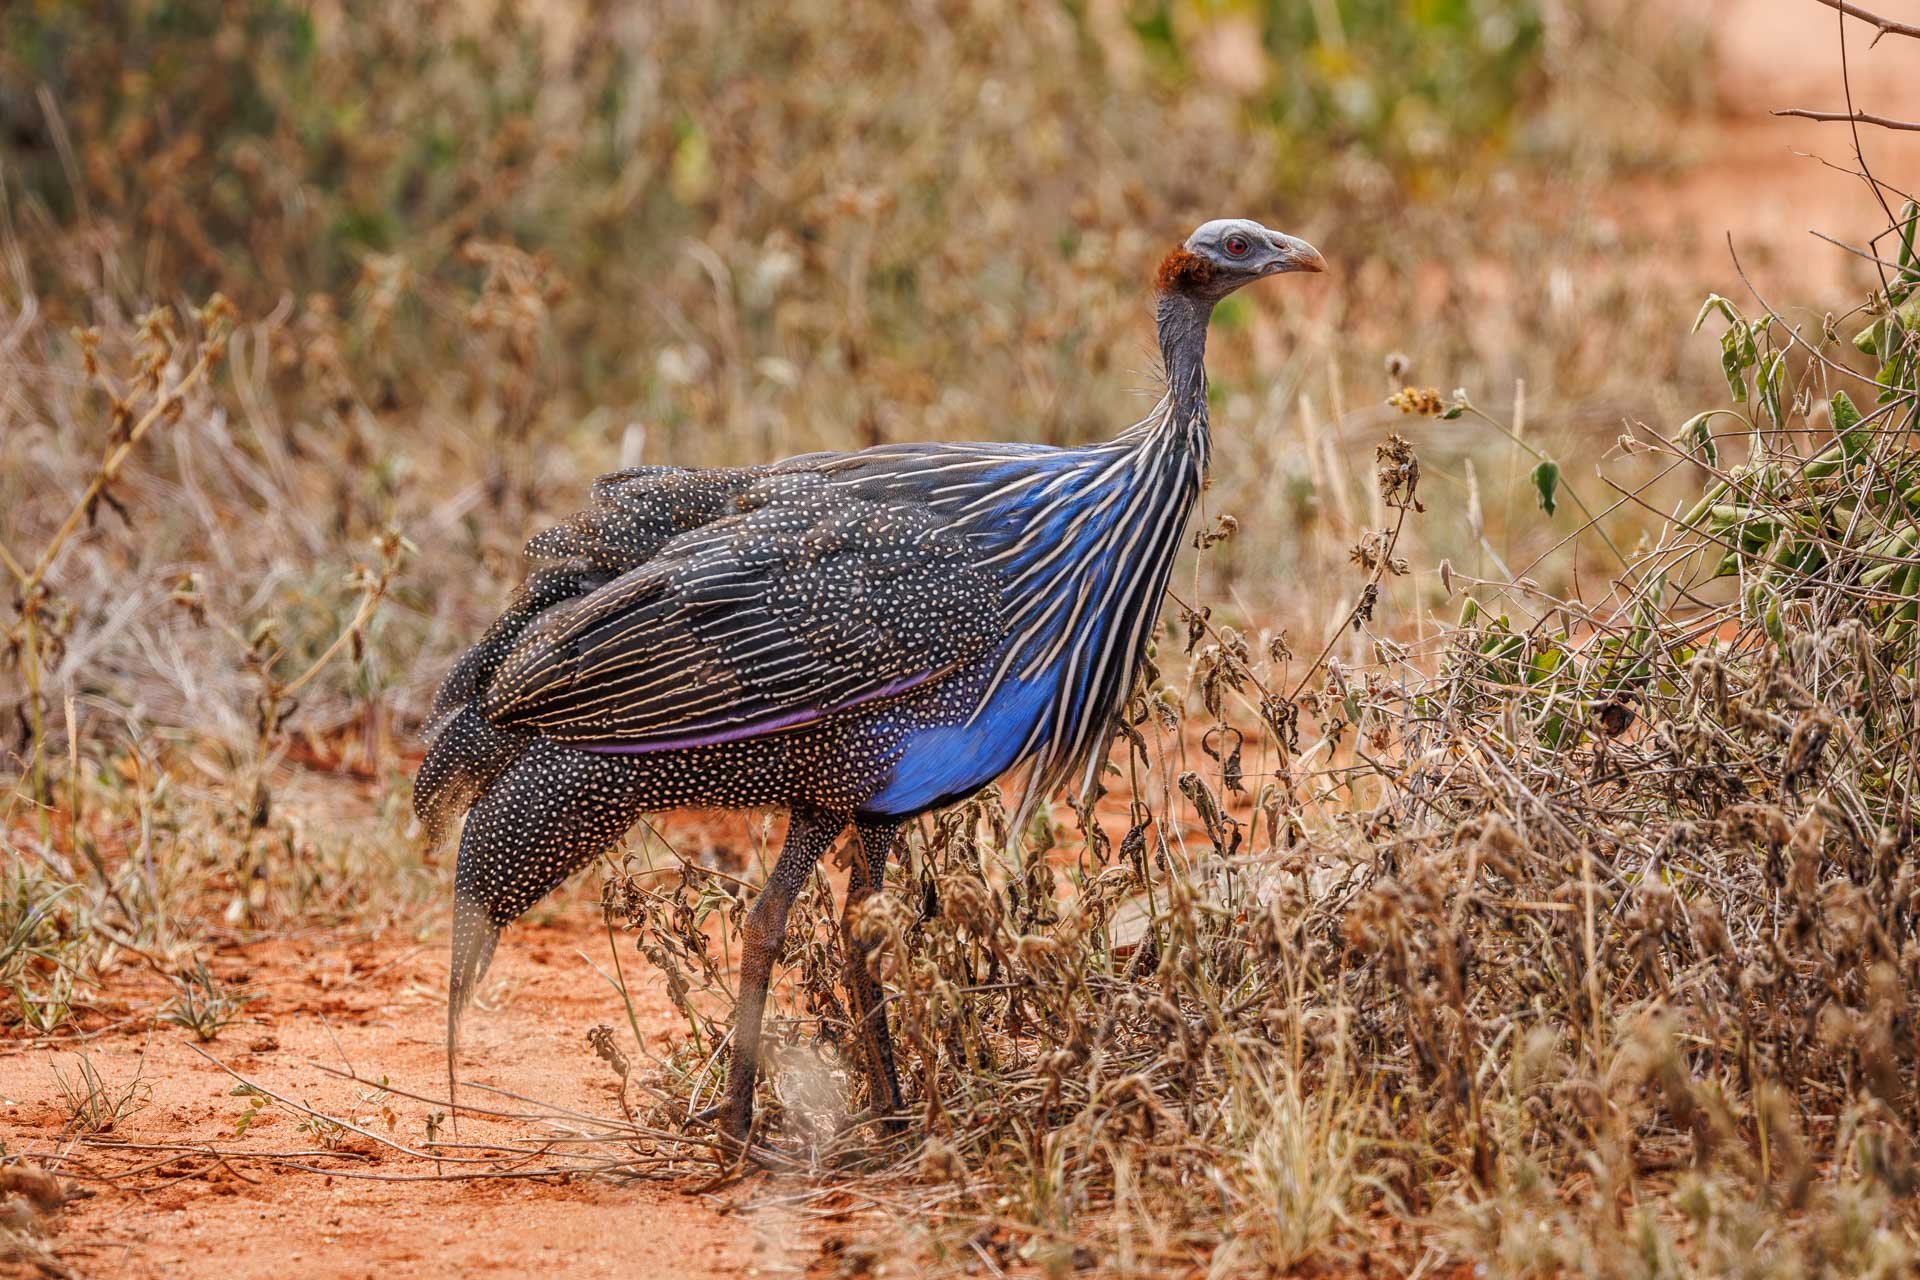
<point x="1236" y="246"/>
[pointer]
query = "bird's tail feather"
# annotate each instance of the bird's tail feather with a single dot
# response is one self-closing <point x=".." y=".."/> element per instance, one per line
<point x="464" y="755"/>
<point x="474" y="936"/>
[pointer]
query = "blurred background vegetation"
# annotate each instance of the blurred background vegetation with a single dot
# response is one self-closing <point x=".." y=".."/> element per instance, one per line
<point x="482" y="252"/>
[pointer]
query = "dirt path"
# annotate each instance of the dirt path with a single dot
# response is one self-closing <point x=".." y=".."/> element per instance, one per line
<point x="1760" y="179"/>
<point x="377" y="1005"/>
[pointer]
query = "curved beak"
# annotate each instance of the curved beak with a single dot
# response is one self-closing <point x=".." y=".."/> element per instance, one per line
<point x="1296" y="255"/>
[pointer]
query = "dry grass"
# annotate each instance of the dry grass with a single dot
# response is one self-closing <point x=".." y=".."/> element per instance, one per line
<point x="442" y="327"/>
<point x="1572" y="936"/>
<point x="1584" y="937"/>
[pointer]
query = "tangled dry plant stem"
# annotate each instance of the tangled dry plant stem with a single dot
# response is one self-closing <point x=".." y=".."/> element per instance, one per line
<point x="216" y="319"/>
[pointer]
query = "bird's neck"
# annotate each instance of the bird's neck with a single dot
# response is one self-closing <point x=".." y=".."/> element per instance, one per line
<point x="1183" y="349"/>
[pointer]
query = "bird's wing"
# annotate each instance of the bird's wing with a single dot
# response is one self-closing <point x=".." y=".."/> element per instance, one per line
<point x="805" y="599"/>
<point x="634" y="514"/>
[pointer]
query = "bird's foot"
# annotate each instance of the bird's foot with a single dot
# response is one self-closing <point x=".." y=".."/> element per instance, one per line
<point x="891" y="1121"/>
<point x="730" y="1120"/>
<point x="888" y="1106"/>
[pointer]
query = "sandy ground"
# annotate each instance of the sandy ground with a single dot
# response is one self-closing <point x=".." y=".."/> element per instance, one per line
<point x="376" y="1003"/>
<point x="376" y="1006"/>
<point x="1762" y="181"/>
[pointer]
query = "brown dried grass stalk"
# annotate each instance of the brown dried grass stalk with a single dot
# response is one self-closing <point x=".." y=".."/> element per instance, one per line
<point x="1611" y="940"/>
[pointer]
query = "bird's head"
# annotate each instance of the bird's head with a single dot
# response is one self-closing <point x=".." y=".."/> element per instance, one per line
<point x="1230" y="252"/>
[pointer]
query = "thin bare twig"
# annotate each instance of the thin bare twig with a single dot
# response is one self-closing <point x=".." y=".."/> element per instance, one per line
<point x="1852" y="117"/>
<point x="1885" y="25"/>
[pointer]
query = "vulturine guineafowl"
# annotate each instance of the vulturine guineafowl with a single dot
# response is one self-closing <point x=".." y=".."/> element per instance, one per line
<point x="859" y="637"/>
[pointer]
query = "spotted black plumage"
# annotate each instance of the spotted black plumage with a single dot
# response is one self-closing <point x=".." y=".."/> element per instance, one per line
<point x="857" y="637"/>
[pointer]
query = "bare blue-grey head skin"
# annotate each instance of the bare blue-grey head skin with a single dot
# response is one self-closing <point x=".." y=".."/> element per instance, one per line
<point x="1242" y="251"/>
<point x="856" y="637"/>
<point x="1218" y="258"/>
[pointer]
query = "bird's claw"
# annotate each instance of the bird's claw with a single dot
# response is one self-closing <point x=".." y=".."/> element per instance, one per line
<point x="726" y="1120"/>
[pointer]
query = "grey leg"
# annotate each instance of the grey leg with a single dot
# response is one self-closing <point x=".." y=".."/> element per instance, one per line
<point x="810" y="833"/>
<point x="868" y="877"/>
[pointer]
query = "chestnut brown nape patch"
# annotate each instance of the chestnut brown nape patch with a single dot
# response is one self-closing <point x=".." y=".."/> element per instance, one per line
<point x="1183" y="272"/>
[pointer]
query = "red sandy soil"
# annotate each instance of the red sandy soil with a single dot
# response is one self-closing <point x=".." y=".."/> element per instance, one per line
<point x="377" y="1005"/>
<point x="377" y="1002"/>
<point x="1759" y="180"/>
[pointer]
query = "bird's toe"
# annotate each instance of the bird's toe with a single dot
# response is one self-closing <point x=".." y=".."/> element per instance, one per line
<point x="731" y="1122"/>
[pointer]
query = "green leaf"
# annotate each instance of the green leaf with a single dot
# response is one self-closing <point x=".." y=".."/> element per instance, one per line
<point x="1770" y="381"/>
<point x="1544" y="663"/>
<point x="1546" y="479"/>
<point x="1695" y="437"/>
<point x="1846" y="417"/>
<point x="1736" y="357"/>
<point x="1867" y="341"/>
<point x="1714" y="303"/>
<point x="1909" y="223"/>
<point x="1737" y="352"/>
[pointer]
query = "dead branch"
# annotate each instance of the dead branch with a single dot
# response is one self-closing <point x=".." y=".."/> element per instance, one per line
<point x="1885" y="25"/>
<point x="1851" y="117"/>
